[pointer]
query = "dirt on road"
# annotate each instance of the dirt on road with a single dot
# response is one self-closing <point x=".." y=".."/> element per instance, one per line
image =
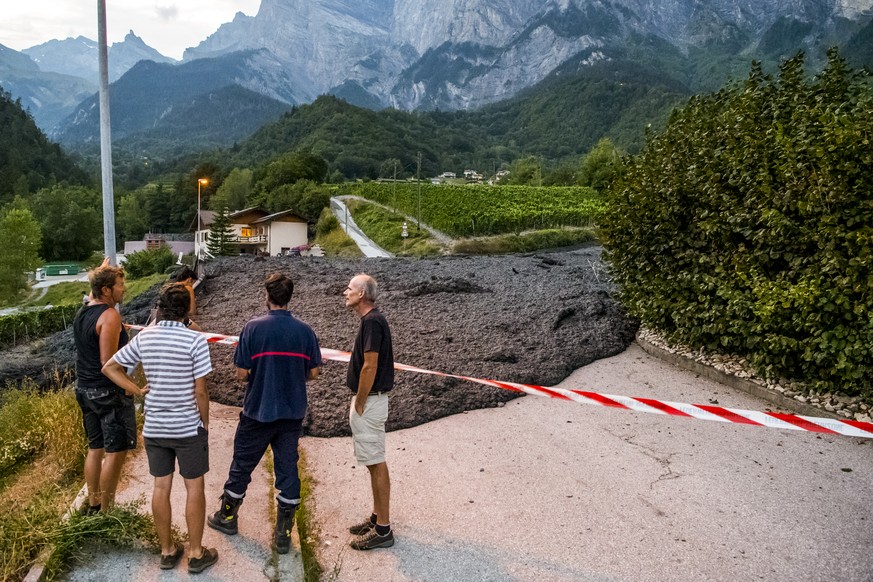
<point x="531" y="318"/>
<point x="526" y="318"/>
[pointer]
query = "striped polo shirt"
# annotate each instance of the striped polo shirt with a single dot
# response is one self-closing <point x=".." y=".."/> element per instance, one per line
<point x="172" y="357"/>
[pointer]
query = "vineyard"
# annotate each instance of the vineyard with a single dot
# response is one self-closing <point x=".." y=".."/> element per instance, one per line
<point x="463" y="211"/>
<point x="35" y="323"/>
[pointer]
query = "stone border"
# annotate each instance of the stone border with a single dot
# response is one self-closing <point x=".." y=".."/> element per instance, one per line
<point x="778" y="400"/>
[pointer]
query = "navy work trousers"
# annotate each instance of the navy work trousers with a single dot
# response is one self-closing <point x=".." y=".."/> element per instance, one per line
<point x="250" y="443"/>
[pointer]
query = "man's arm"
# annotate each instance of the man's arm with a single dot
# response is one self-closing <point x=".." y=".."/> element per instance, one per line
<point x="115" y="372"/>
<point x="242" y="374"/>
<point x="201" y="397"/>
<point x="365" y="381"/>
<point x="313" y="373"/>
<point x="108" y="331"/>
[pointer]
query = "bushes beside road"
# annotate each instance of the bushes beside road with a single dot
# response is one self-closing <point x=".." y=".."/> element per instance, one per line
<point x="746" y="226"/>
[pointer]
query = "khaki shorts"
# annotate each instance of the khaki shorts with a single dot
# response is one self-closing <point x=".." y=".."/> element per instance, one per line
<point x="368" y="429"/>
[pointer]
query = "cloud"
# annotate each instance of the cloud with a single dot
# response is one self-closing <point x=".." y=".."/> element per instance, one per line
<point x="167" y="13"/>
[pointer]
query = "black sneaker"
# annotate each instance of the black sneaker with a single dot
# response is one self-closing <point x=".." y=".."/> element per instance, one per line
<point x="362" y="528"/>
<point x="206" y="559"/>
<point x="372" y="540"/>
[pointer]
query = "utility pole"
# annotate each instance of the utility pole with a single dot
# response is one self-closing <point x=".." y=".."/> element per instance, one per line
<point x="105" y="139"/>
<point x="395" y="185"/>
<point x="418" y="179"/>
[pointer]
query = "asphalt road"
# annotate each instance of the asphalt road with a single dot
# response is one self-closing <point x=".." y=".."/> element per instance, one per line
<point x="367" y="246"/>
<point x="548" y="490"/>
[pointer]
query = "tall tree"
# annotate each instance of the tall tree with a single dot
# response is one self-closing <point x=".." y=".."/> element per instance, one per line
<point x="20" y="239"/>
<point x="601" y="165"/>
<point x="71" y="220"/>
<point x="221" y="236"/>
<point x="234" y="192"/>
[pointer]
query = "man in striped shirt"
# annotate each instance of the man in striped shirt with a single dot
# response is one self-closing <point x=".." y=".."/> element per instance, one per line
<point x="176" y="361"/>
<point x="277" y="353"/>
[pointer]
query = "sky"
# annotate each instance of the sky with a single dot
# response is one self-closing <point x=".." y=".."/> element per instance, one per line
<point x="170" y="26"/>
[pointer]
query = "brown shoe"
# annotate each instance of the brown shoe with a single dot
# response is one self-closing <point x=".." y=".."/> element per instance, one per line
<point x="371" y="540"/>
<point x="169" y="562"/>
<point x="206" y="559"/>
<point x="360" y="529"/>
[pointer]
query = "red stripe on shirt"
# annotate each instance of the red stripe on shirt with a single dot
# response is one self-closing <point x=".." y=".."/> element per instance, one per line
<point x="288" y="354"/>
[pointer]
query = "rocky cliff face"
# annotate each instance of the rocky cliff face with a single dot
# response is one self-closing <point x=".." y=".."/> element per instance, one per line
<point x="78" y="56"/>
<point x="454" y="54"/>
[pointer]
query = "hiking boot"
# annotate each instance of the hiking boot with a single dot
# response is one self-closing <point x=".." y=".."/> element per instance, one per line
<point x="372" y="540"/>
<point x="360" y="529"/>
<point x="225" y="519"/>
<point x="284" y="524"/>
<point x="206" y="559"/>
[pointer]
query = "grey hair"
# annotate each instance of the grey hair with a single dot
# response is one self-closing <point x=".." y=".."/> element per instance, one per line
<point x="368" y="286"/>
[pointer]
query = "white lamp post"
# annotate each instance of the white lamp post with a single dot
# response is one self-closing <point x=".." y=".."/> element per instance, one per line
<point x="200" y="182"/>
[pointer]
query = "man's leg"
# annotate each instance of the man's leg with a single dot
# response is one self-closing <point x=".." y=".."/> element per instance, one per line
<point x="93" y="466"/>
<point x="380" y="536"/>
<point x="109" y="477"/>
<point x="381" y="484"/>
<point x="118" y="421"/>
<point x="163" y="513"/>
<point x="195" y="514"/>
<point x="285" y="457"/>
<point x="249" y="443"/>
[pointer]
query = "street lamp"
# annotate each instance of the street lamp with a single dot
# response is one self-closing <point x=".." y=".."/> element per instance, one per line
<point x="200" y="182"/>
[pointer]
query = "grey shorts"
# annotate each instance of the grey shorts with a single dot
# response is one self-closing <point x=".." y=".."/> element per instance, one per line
<point x="192" y="453"/>
<point x="368" y="429"/>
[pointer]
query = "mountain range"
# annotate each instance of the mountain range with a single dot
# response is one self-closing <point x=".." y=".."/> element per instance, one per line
<point x="424" y="55"/>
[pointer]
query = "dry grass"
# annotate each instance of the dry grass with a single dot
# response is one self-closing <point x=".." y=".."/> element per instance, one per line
<point x="42" y="445"/>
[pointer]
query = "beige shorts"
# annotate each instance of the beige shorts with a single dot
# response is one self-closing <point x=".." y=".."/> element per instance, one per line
<point x="368" y="429"/>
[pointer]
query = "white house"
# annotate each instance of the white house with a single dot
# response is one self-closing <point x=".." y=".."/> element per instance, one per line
<point x="153" y="241"/>
<point x="257" y="232"/>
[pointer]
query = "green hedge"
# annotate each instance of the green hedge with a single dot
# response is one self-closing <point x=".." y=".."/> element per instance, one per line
<point x="747" y="226"/>
<point x="29" y="325"/>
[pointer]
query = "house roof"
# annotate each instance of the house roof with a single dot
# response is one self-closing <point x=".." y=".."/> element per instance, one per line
<point x="284" y="216"/>
<point x="247" y="215"/>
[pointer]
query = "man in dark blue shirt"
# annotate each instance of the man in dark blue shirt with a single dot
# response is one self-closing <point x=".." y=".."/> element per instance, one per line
<point x="277" y="354"/>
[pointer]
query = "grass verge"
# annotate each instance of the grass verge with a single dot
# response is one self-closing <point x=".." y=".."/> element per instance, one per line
<point x="306" y="529"/>
<point x="337" y="244"/>
<point x="312" y="570"/>
<point x="524" y="242"/>
<point x="41" y="461"/>
<point x="70" y="292"/>
<point x="385" y="227"/>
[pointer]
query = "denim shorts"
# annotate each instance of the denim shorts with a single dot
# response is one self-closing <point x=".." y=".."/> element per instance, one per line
<point x="109" y="418"/>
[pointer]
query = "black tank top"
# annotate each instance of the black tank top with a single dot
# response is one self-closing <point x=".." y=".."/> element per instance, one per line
<point x="88" y="366"/>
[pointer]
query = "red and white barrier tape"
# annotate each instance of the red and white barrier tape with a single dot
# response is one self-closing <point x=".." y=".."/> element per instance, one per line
<point x="776" y="420"/>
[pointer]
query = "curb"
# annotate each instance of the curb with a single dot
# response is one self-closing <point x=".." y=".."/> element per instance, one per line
<point x="776" y="399"/>
<point x="37" y="570"/>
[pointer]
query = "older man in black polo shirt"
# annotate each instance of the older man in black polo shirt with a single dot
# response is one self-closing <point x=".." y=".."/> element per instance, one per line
<point x="370" y="378"/>
<point x="277" y="353"/>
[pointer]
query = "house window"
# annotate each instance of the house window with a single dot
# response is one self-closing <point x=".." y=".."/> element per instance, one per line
<point x="246" y="232"/>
